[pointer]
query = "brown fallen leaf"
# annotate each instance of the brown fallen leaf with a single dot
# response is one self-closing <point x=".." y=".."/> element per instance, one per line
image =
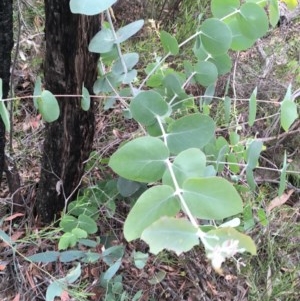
<point x="278" y="201"/>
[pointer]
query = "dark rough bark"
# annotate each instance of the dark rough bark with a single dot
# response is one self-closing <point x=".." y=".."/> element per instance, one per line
<point x="68" y="141"/>
<point x="6" y="44"/>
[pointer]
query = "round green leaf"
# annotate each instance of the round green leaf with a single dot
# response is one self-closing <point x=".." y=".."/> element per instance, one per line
<point x="221" y="8"/>
<point x="87" y="223"/>
<point x="48" y="106"/>
<point x="147" y="105"/>
<point x="102" y="42"/>
<point x="239" y="41"/>
<point x="207" y="73"/>
<point x="169" y="42"/>
<point x="194" y="130"/>
<point x="90" y="7"/>
<point x="215" y="36"/>
<point x="170" y="233"/>
<point x="253" y="21"/>
<point x="142" y="159"/>
<point x="188" y="164"/>
<point x="211" y="198"/>
<point x="154" y="203"/>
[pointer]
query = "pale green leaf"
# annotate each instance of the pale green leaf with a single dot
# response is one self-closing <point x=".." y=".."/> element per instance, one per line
<point x="211" y="198"/>
<point x="274" y="12"/>
<point x="169" y="42"/>
<point x="86" y="99"/>
<point x="191" y="131"/>
<point x="73" y="275"/>
<point x="147" y="105"/>
<point x="253" y="153"/>
<point x="215" y="36"/>
<point x="221" y="8"/>
<point x="90" y="7"/>
<point x="252" y="20"/>
<point x="55" y="289"/>
<point x="206" y="73"/>
<point x="288" y="114"/>
<point x="188" y="164"/>
<point x="128" y="59"/>
<point x="48" y="106"/>
<point x="170" y="233"/>
<point x="252" y="108"/>
<point x="67" y="240"/>
<point x="142" y="159"/>
<point x="128" y="31"/>
<point x="102" y="42"/>
<point x="140" y="259"/>
<point x="154" y="203"/>
<point x="44" y="257"/>
<point x="87" y="223"/>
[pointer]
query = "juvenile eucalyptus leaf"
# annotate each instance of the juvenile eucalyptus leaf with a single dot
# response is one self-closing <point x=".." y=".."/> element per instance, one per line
<point x="239" y="41"/>
<point x="147" y="105"/>
<point x="102" y="42"/>
<point x="170" y="233"/>
<point x="188" y="164"/>
<point x="86" y="99"/>
<point x="191" y="131"/>
<point x="169" y="42"/>
<point x="129" y="59"/>
<point x="221" y="8"/>
<point x="252" y="20"/>
<point x="253" y="153"/>
<point x="274" y="13"/>
<point x="48" y="106"/>
<point x="154" y="203"/>
<point x="55" y="289"/>
<point x="252" y="107"/>
<point x="128" y="31"/>
<point x="73" y="274"/>
<point x="142" y="159"/>
<point x="67" y="240"/>
<point x="90" y="7"/>
<point x="206" y="73"/>
<point x="215" y="36"/>
<point x="288" y="114"/>
<point x="211" y="198"/>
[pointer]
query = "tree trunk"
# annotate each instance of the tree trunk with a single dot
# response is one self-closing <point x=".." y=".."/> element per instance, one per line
<point x="68" y="141"/>
<point x="6" y="44"/>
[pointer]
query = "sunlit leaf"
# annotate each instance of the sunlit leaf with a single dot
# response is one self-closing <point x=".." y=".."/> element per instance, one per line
<point x="221" y="8"/>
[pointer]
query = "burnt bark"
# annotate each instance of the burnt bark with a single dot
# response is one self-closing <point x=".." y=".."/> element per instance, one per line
<point x="68" y="141"/>
<point x="6" y="45"/>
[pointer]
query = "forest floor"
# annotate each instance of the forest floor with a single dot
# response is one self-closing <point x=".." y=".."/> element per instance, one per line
<point x="274" y="274"/>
